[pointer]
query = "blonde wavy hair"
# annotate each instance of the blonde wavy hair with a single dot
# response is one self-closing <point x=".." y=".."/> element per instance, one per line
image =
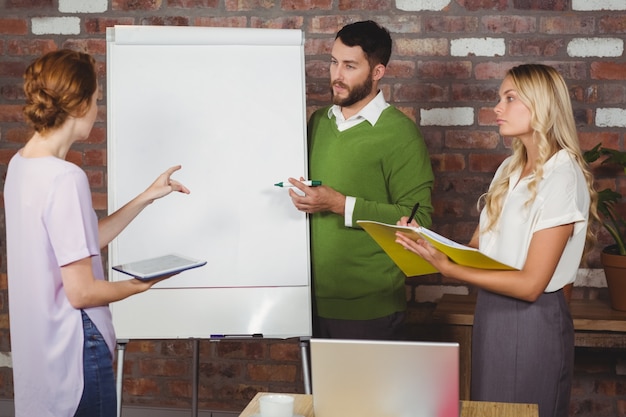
<point x="544" y="92"/>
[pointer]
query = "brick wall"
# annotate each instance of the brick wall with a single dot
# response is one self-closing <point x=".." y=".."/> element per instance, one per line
<point x="449" y="57"/>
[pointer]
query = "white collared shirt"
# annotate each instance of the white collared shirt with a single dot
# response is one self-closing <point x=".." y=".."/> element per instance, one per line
<point x="371" y="112"/>
<point x="562" y="197"/>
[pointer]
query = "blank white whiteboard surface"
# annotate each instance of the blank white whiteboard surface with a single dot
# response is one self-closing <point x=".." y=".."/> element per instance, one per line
<point x="228" y="104"/>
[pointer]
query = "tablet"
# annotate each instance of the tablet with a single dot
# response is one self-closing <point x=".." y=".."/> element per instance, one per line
<point x="159" y="266"/>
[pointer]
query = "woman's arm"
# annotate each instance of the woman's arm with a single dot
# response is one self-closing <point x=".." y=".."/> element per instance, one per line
<point x="544" y="253"/>
<point x="83" y="290"/>
<point x="112" y="225"/>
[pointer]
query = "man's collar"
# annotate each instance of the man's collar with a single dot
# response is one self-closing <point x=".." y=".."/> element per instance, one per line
<point x="371" y="112"/>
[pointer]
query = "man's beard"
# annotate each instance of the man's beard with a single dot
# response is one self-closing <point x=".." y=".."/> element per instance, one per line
<point x="355" y="94"/>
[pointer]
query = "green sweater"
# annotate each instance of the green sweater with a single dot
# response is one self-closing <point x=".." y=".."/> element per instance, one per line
<point x="387" y="169"/>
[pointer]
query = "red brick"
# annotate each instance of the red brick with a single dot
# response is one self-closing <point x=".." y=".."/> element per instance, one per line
<point x="604" y="70"/>
<point x="96" y="178"/>
<point x="509" y="24"/>
<point x="420" y="92"/>
<point x="493" y="70"/>
<point x="471" y="139"/>
<point x="95" y="157"/>
<point x="329" y="24"/>
<point x="542" y="47"/>
<point x="229" y="21"/>
<point x="247" y="5"/>
<point x="163" y="367"/>
<point x="99" y="25"/>
<point x="450" y="24"/>
<point x="99" y="201"/>
<point x="140" y="386"/>
<point x="567" y="24"/>
<point x="612" y="24"/>
<point x="288" y="22"/>
<point x="475" y="92"/>
<point x="318" y="46"/>
<point x="141" y="346"/>
<point x="302" y="5"/>
<point x="28" y="4"/>
<point x="549" y="5"/>
<point x="422" y="47"/>
<point x="400" y="69"/>
<point x="193" y="4"/>
<point x="474" y="5"/>
<point x="364" y="5"/>
<point x="165" y="21"/>
<point x="11" y="113"/>
<point x="272" y="373"/>
<point x="130" y="5"/>
<point x="28" y="47"/>
<point x="240" y="350"/>
<point x="486" y="116"/>
<point x="457" y="70"/>
<point x="288" y="351"/>
<point x="19" y="134"/>
<point x="13" y="26"/>
<point x="486" y="162"/>
<point x="590" y="139"/>
<point x="90" y="46"/>
<point x="14" y="69"/>
<point x="448" y="162"/>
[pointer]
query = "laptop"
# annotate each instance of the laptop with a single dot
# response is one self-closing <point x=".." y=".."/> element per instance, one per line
<point x="364" y="378"/>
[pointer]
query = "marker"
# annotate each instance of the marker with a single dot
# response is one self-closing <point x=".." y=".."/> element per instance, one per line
<point x="307" y="182"/>
<point x="235" y="336"/>
<point x="413" y="212"/>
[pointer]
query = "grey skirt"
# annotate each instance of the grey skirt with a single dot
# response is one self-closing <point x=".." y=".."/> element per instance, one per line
<point x="523" y="352"/>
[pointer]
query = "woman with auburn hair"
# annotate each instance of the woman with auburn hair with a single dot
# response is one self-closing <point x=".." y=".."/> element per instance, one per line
<point x="535" y="218"/>
<point x="62" y="337"/>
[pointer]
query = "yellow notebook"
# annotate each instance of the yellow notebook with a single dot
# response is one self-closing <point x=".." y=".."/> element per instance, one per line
<point x="412" y="264"/>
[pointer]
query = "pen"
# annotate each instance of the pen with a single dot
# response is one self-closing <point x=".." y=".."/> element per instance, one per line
<point x="307" y="182"/>
<point x="413" y="212"/>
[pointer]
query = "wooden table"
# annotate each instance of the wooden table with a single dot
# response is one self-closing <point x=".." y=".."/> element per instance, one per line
<point x="303" y="406"/>
<point x="595" y="325"/>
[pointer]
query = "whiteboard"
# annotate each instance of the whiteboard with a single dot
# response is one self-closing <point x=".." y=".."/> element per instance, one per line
<point x="228" y="104"/>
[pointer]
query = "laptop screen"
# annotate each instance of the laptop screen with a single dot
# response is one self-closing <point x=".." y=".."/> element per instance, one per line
<point x="384" y="378"/>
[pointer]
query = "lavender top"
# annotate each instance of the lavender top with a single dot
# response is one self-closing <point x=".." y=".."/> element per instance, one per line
<point x="50" y="222"/>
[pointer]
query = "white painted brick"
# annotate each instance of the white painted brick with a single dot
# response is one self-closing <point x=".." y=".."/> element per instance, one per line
<point x="597" y="47"/>
<point x="419" y="5"/>
<point x="589" y="5"/>
<point x="454" y="116"/>
<point x="610" y="117"/>
<point x="56" y="25"/>
<point x="83" y="6"/>
<point x="590" y="278"/>
<point x="477" y="47"/>
<point x="433" y="293"/>
<point x="6" y="360"/>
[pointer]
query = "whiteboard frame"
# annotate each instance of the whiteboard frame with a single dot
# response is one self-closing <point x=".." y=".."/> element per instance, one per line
<point x="275" y="311"/>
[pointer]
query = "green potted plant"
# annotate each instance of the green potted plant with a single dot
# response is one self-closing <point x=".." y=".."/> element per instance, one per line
<point x="612" y="257"/>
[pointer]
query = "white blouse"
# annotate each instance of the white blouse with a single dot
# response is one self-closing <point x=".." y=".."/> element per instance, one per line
<point x="562" y="198"/>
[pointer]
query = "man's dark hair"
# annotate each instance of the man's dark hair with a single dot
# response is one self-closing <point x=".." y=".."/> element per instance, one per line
<point x="374" y="39"/>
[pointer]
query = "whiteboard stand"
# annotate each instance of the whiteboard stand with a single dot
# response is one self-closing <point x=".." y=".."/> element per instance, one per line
<point x="121" y="349"/>
<point x="304" y="351"/>
<point x="194" y="377"/>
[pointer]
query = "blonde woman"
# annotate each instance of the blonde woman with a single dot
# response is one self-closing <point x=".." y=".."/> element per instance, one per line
<point x="535" y="218"/>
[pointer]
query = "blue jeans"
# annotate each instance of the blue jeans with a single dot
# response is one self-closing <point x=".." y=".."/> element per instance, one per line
<point x="99" y="397"/>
